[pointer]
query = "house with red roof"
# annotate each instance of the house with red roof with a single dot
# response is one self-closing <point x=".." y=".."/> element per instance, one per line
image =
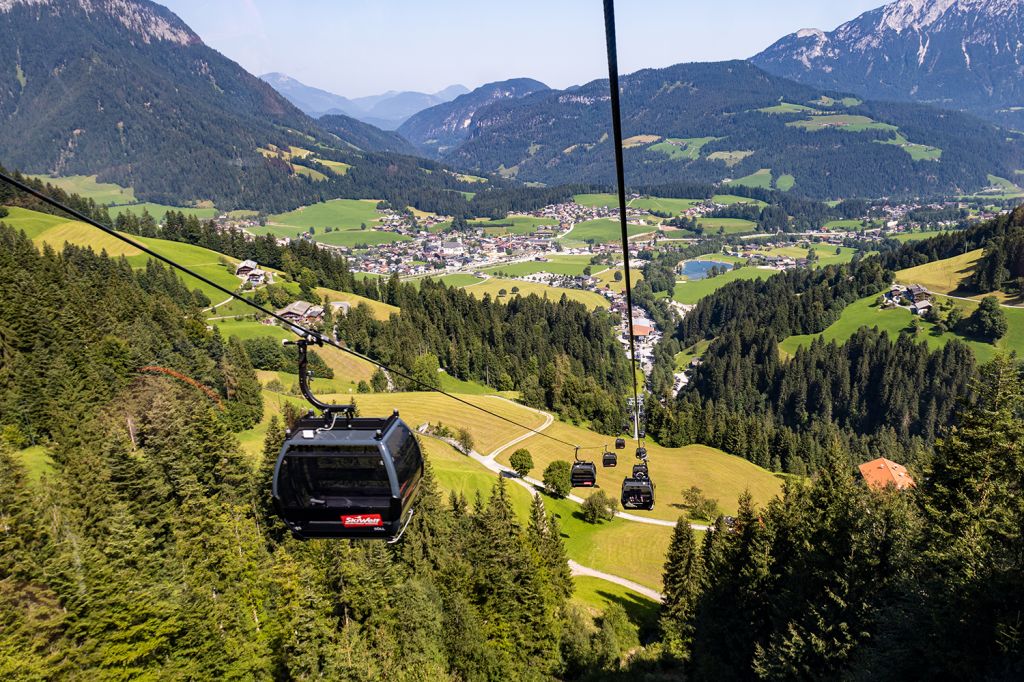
<point x="882" y="473"/>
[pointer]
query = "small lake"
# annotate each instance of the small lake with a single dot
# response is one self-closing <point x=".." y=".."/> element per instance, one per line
<point x="698" y="269"/>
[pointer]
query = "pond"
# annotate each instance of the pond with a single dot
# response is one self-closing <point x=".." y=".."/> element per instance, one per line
<point x="698" y="269"/>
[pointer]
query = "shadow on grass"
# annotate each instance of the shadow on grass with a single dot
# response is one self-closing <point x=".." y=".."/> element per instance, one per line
<point x="641" y="612"/>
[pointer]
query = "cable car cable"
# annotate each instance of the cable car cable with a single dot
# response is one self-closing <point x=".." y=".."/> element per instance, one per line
<point x="317" y="337"/>
<point x="620" y="175"/>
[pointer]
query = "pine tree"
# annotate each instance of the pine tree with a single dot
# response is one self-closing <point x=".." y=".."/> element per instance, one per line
<point x="682" y="581"/>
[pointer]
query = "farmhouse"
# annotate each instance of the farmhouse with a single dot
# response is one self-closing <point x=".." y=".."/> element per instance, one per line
<point x="301" y="311"/>
<point x="916" y="292"/>
<point x="256" y="277"/>
<point x="882" y="473"/>
<point x="246" y="267"/>
<point x="921" y="307"/>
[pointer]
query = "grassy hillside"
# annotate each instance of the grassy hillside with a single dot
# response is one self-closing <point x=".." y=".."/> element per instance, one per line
<point x="87" y="187"/>
<point x="943" y="276"/>
<point x="864" y="313"/>
<point x="495" y="284"/>
<point x="691" y="292"/>
<point x="720" y="475"/>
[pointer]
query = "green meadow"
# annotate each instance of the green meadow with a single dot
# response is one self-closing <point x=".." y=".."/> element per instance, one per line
<point x="762" y="179"/>
<point x="603" y="231"/>
<point x="690" y="293"/>
<point x="87" y="187"/>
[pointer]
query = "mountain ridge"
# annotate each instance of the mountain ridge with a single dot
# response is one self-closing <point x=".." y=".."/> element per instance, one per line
<point x="960" y="54"/>
<point x="387" y="110"/>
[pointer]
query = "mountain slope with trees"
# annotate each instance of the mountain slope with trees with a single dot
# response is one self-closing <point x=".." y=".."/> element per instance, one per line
<point x="710" y="122"/>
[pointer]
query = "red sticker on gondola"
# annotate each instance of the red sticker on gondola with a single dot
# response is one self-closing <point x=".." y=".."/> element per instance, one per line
<point x="362" y="521"/>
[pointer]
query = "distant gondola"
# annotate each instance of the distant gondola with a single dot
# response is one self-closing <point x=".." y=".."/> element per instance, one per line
<point x="339" y="476"/>
<point x="610" y="459"/>
<point x="620" y="443"/>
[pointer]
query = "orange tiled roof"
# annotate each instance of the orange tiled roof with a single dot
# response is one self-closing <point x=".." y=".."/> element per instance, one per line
<point x="882" y="472"/>
<point x="642" y="330"/>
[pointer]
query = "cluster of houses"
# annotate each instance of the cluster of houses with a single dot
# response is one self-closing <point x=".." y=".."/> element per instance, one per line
<point x="250" y="272"/>
<point x="914" y="297"/>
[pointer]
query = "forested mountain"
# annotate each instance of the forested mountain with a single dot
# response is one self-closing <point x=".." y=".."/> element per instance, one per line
<point x="365" y="136"/>
<point x="710" y="122"/>
<point x="959" y="54"/>
<point x="440" y="128"/>
<point x="387" y="110"/>
<point x="185" y="123"/>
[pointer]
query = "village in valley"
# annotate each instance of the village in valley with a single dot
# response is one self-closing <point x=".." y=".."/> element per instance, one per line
<point x="431" y="247"/>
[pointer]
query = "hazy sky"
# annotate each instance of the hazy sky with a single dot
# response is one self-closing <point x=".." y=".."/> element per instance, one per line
<point x="363" y="47"/>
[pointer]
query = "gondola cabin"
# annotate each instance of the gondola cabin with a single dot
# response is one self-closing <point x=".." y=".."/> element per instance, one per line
<point x="620" y="443"/>
<point x="610" y="459"/>
<point x="347" y="477"/>
<point x="638" y="493"/>
<point x="583" y="475"/>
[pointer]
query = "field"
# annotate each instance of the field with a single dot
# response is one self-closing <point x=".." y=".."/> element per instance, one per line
<point x="726" y="225"/>
<point x="158" y="211"/>
<point x="673" y="206"/>
<point x="597" y="200"/>
<point x="826" y="253"/>
<point x="731" y="199"/>
<point x="639" y="141"/>
<point x="354" y="238"/>
<point x="719" y="475"/>
<point x="730" y="158"/>
<point x="516" y="224"/>
<point x="785" y="182"/>
<point x="916" y="236"/>
<point x="944" y="276"/>
<point x="32" y="223"/>
<point x="457" y="280"/>
<point x="762" y="179"/>
<point x="1001" y="189"/>
<point x="843" y="225"/>
<point x="864" y="313"/>
<point x="918" y="152"/>
<point x="381" y="311"/>
<point x="87" y="187"/>
<point x="603" y="231"/>
<point x="607" y="278"/>
<point x="493" y="285"/>
<point x="845" y="122"/>
<point x="685" y="356"/>
<point x="787" y="108"/>
<point x="690" y="293"/>
<point x="344" y="214"/>
<point x="682" y="149"/>
<point x="558" y="265"/>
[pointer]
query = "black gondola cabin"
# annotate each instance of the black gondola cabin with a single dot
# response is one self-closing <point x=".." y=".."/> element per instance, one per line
<point x="347" y="477"/>
<point x="620" y="443"/>
<point x="583" y="475"/>
<point x="610" y="459"/>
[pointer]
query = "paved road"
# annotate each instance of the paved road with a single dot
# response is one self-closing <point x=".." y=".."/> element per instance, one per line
<point x="628" y="584"/>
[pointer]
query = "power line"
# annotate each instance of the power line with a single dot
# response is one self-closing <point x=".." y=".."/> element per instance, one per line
<point x="309" y="333"/>
<point x="620" y="176"/>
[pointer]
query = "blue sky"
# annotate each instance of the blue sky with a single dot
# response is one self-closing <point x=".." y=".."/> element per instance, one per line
<point x="363" y="47"/>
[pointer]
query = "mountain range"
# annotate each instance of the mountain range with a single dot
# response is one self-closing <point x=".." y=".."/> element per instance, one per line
<point x="719" y="121"/>
<point x="959" y="54"/>
<point x="386" y="111"/>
